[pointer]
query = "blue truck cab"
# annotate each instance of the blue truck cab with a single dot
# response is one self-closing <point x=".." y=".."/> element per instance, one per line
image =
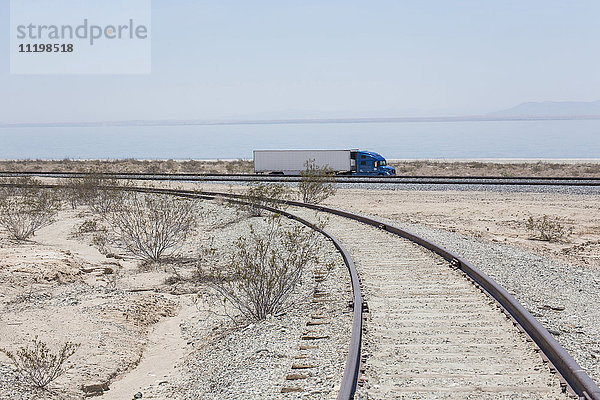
<point x="369" y="163"/>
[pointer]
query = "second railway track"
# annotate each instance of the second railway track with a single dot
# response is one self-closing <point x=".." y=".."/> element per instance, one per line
<point x="395" y="180"/>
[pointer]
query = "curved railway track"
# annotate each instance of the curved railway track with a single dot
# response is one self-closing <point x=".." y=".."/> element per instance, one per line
<point x="430" y="333"/>
<point x="436" y="336"/>
<point x="571" y="374"/>
<point x="397" y="180"/>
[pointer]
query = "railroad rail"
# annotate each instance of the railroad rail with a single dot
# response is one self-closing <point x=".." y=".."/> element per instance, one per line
<point x="573" y="376"/>
<point x="394" y="180"/>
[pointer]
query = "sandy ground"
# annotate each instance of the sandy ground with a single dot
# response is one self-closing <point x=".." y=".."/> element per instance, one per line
<point x="61" y="287"/>
<point x="166" y="348"/>
<point x="58" y="287"/>
<point x="130" y="322"/>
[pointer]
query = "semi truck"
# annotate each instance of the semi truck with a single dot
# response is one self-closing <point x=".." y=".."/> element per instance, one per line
<point x="343" y="162"/>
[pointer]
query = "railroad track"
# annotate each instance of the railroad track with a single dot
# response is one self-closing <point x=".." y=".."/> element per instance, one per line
<point x="484" y="354"/>
<point x="432" y="333"/>
<point x="397" y="180"/>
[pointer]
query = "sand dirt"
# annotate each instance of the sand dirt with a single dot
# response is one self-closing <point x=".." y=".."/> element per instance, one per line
<point x="57" y="286"/>
<point x="166" y="348"/>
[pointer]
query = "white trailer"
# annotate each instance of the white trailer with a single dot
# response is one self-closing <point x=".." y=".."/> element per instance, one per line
<point x="292" y="162"/>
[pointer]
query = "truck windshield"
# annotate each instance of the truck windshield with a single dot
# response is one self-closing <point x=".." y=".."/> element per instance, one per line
<point x="382" y="163"/>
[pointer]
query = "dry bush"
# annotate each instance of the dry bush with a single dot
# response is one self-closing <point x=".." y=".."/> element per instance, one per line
<point x="208" y="257"/>
<point x="239" y="166"/>
<point x="317" y="183"/>
<point x="27" y="207"/>
<point x="259" y="195"/>
<point x="592" y="169"/>
<point x="262" y="275"/>
<point x="89" y="226"/>
<point x="68" y="191"/>
<point x="153" y="226"/>
<point x="95" y="190"/>
<point x="38" y="365"/>
<point x="550" y="229"/>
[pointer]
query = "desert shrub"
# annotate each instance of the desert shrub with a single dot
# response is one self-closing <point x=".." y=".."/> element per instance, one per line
<point x="68" y="192"/>
<point x="551" y="229"/>
<point x="317" y="183"/>
<point x="100" y="240"/>
<point x="592" y="169"/>
<point x="266" y="267"/>
<point x="208" y="257"/>
<point x="26" y="207"/>
<point x="238" y="166"/>
<point x="153" y="226"/>
<point x="475" y="165"/>
<point x="71" y="190"/>
<point x="37" y="364"/>
<point x="95" y="190"/>
<point x="89" y="226"/>
<point x="262" y="194"/>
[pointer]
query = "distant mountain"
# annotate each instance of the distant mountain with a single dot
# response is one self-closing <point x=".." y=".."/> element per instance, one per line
<point x="551" y="109"/>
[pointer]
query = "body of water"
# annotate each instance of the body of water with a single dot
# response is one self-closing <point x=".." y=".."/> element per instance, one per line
<point x="403" y="140"/>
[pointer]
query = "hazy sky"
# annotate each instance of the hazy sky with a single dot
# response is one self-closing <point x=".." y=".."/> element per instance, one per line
<point x="263" y="59"/>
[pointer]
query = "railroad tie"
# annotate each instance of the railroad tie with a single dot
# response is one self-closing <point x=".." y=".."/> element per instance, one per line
<point x="303" y="366"/>
<point x="303" y="362"/>
<point x="291" y="389"/>
<point x="294" y="377"/>
<point x="316" y="323"/>
<point x="314" y="336"/>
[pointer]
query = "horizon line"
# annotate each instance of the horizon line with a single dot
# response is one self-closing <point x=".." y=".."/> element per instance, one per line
<point x="357" y="120"/>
